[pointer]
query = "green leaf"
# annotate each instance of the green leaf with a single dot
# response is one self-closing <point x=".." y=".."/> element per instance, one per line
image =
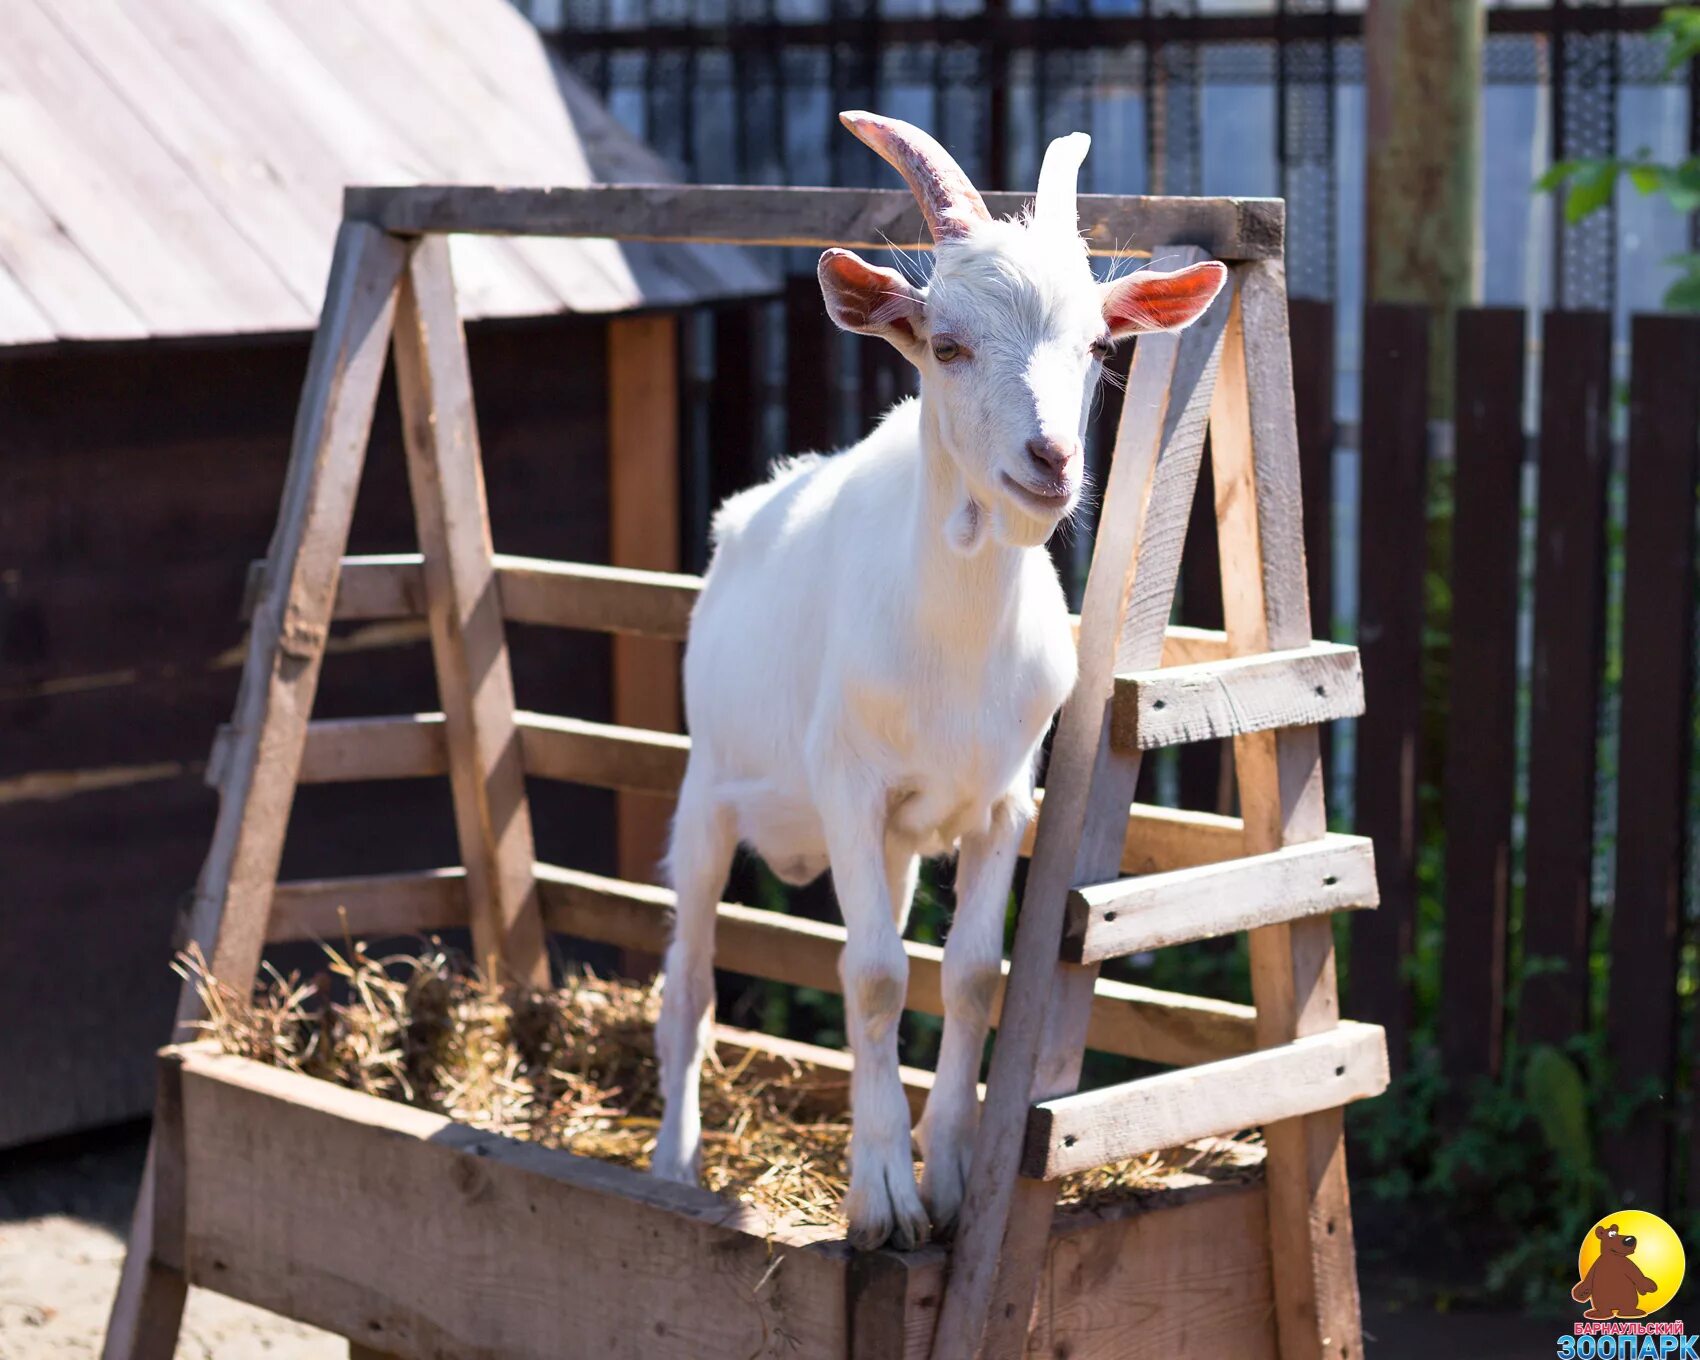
<point x="1681" y="25"/>
<point x="1558" y="1098"/>
<point x="1590" y="189"/>
<point x="1684" y="294"/>
<point x="1649" y="179"/>
<point x="1682" y="185"/>
<point x="1556" y="174"/>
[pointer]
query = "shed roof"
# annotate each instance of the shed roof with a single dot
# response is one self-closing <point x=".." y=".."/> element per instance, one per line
<point x="176" y="167"/>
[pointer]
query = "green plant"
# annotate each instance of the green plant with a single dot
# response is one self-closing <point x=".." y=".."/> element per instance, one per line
<point x="1589" y="182"/>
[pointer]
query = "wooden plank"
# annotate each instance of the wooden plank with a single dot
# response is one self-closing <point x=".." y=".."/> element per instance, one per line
<point x="1258" y="501"/>
<point x="1569" y="623"/>
<point x="858" y="219"/>
<point x="227" y="918"/>
<point x="1098" y="1128"/>
<point x="1392" y="537"/>
<point x="492" y="818"/>
<point x="1235" y="696"/>
<point x="274" y="1157"/>
<point x="1311" y="323"/>
<point x="1132" y="1021"/>
<point x="1125" y="916"/>
<point x="1655" y="745"/>
<point x="1481" y="768"/>
<point x="370" y="906"/>
<point x="643" y="531"/>
<point x="409" y="746"/>
<point x="1129" y="591"/>
<point x="1160" y="838"/>
<point x="648" y="765"/>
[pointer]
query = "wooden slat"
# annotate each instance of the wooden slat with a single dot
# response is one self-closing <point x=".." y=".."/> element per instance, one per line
<point x="492" y="817"/>
<point x="369" y="906"/>
<point x="1293" y="979"/>
<point x="343" y="750"/>
<point x="1655" y="745"/>
<point x="1311" y="324"/>
<point x="1097" y="1128"/>
<point x="1392" y="537"/>
<point x="1132" y="1021"/>
<point x="1160" y="838"/>
<point x="858" y="219"/>
<point x="227" y="919"/>
<point x="1005" y="1222"/>
<point x="1573" y="465"/>
<point x="1238" y="695"/>
<point x="643" y="532"/>
<point x="1125" y="916"/>
<point x="630" y="759"/>
<point x="1481" y="733"/>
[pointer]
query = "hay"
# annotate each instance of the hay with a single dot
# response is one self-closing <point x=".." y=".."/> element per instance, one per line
<point x="574" y="1068"/>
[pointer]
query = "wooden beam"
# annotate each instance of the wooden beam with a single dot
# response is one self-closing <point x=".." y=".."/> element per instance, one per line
<point x="1005" y="1227"/>
<point x="859" y="219"/>
<point x="643" y="531"/>
<point x="445" y="472"/>
<point x="1100" y="1128"/>
<point x="1132" y="1021"/>
<point x="227" y="918"/>
<point x="1110" y="920"/>
<point x="630" y="759"/>
<point x="1254" y="447"/>
<point x="1237" y="695"/>
<point x="369" y="906"/>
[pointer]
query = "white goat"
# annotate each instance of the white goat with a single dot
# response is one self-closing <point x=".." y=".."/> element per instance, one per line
<point x="882" y="641"/>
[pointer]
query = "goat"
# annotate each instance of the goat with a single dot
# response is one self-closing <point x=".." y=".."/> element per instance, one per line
<point x="881" y="643"/>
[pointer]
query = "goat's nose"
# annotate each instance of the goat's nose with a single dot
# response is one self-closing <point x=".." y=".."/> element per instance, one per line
<point x="1050" y="454"/>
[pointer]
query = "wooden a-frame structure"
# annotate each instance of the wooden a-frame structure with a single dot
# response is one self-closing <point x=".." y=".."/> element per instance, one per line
<point x="1276" y="872"/>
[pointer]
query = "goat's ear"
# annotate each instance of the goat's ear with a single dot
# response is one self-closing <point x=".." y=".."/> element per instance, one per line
<point x="1150" y="301"/>
<point x="869" y="300"/>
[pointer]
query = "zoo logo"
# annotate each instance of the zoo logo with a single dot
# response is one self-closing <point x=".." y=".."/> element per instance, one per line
<point x="1630" y="1266"/>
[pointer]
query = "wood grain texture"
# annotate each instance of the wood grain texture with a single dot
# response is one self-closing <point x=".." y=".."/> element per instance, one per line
<point x="1237" y="695"/>
<point x="369" y="906"/>
<point x="1160" y="838"/>
<point x="1125" y="1019"/>
<point x="1642" y="1014"/>
<point x="1129" y="592"/>
<point x="1481" y="757"/>
<point x="1573" y="468"/>
<point x="227" y="919"/>
<point x="1126" y="916"/>
<point x="468" y="642"/>
<point x="1393" y="552"/>
<point x="643" y="532"/>
<point x="678" y="1272"/>
<point x="857" y="219"/>
<point x="1259" y="507"/>
<point x="632" y="760"/>
<point x="1098" y="1128"/>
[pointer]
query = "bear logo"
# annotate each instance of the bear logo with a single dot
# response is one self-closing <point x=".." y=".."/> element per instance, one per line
<point x="1614" y="1284"/>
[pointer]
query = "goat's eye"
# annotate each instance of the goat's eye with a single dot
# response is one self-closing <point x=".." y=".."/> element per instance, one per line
<point x="1102" y="346"/>
<point x="945" y="349"/>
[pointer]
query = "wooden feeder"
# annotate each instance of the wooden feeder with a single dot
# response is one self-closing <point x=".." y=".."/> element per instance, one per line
<point x="416" y="1237"/>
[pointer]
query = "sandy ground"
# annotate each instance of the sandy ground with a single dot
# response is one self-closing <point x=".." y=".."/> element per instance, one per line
<point x="64" y="1209"/>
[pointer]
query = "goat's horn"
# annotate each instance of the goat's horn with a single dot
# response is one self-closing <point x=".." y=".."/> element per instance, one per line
<point x="949" y="202"/>
<point x="1054" y="206"/>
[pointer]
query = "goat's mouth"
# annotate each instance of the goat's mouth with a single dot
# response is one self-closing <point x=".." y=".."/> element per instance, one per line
<point x="1055" y="499"/>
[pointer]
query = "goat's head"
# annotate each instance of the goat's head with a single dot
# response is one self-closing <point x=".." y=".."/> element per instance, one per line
<point x="1011" y="332"/>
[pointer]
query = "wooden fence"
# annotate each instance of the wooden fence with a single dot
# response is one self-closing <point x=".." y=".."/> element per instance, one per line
<point x="1525" y="609"/>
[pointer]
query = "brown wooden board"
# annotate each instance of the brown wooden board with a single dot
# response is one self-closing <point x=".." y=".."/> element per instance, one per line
<point x="1655" y="745"/>
<point x="1573" y="463"/>
<point x="861" y="219"/>
<point x="271" y="1158"/>
<point x="1482" y="700"/>
<point x="1392" y="537"/>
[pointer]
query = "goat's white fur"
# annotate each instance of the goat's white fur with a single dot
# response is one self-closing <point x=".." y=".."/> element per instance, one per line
<point x="880" y="644"/>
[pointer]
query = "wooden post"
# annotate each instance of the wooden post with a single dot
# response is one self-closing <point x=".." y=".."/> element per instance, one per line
<point x="1006" y="1219"/>
<point x="1254" y="442"/>
<point x="1422" y="75"/>
<point x="285" y="646"/>
<point x="468" y="640"/>
<point x="643" y="512"/>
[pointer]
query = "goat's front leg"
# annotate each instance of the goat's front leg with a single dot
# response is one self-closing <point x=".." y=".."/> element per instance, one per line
<point x="973" y="959"/>
<point x="883" y="1202"/>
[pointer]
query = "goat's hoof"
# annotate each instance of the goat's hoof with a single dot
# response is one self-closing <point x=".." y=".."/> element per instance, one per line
<point x="887" y="1214"/>
<point x="944" y="1184"/>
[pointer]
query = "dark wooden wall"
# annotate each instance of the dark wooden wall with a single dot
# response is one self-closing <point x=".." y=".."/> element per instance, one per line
<point x="136" y="483"/>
